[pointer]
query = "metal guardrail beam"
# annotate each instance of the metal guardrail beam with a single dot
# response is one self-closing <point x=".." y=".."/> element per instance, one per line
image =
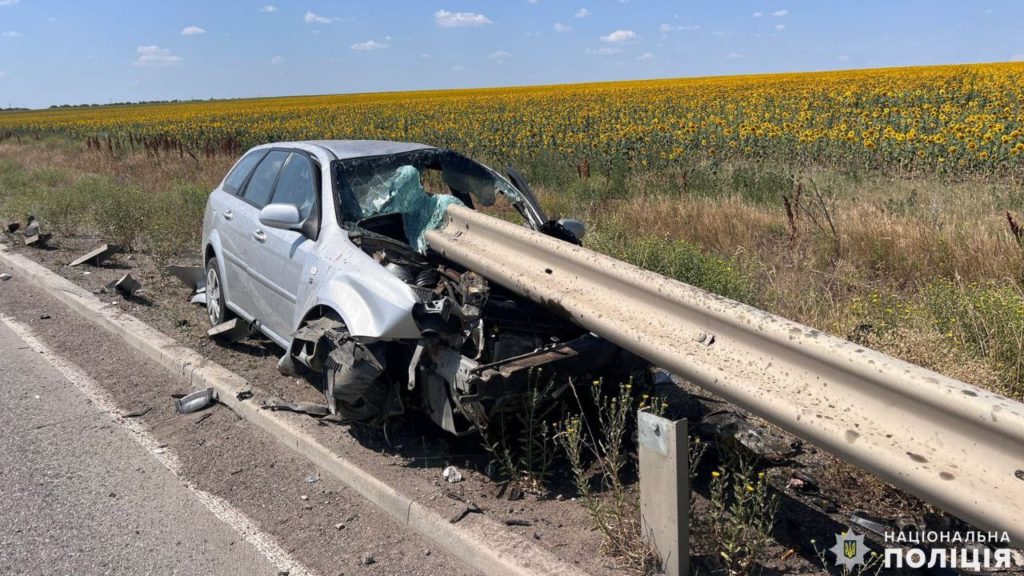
<point x="954" y="445"/>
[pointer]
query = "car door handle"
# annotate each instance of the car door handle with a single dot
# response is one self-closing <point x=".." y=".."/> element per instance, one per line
<point x="228" y="214"/>
<point x="260" y="236"/>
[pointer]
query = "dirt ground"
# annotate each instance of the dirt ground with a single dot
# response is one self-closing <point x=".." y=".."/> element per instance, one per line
<point x="817" y="493"/>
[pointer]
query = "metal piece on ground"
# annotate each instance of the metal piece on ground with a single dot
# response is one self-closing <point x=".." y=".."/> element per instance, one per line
<point x="231" y="331"/>
<point x="97" y="255"/>
<point x="195" y="401"/>
<point x="308" y="408"/>
<point x="198" y="297"/>
<point x="38" y="240"/>
<point x="954" y="445"/>
<point x="192" y="276"/>
<point x="751" y="438"/>
<point x="126" y="285"/>
<point x="5" y="277"/>
<point x="665" y="490"/>
<point x="868" y="522"/>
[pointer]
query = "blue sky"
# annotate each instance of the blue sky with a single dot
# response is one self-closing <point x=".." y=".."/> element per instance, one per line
<point x="99" y="51"/>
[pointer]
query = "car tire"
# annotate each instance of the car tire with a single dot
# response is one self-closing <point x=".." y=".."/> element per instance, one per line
<point x="216" y="305"/>
<point x="357" y="389"/>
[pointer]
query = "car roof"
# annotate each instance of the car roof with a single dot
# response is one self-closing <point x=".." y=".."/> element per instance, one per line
<point x="349" y="149"/>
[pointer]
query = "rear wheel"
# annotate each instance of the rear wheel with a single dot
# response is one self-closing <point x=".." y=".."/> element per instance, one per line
<point x="216" y="307"/>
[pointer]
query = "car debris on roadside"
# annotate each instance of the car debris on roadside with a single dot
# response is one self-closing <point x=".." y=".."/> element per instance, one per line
<point x="5" y="277"/>
<point x="231" y="331"/>
<point x="452" y="475"/>
<point x="308" y="408"/>
<point x="97" y="255"/>
<point x="128" y="287"/>
<point x="34" y="236"/>
<point x="195" y="401"/>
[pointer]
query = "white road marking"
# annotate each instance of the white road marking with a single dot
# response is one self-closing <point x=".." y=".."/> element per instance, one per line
<point x="99" y="397"/>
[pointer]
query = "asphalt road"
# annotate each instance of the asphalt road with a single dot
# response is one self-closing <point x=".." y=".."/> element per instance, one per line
<point x="79" y="495"/>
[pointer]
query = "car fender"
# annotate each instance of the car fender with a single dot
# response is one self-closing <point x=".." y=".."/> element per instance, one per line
<point x="373" y="304"/>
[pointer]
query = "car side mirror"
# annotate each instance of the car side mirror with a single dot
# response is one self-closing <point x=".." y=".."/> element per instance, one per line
<point x="575" y="227"/>
<point x="283" y="216"/>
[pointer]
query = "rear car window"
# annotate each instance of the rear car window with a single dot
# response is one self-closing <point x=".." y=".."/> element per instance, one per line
<point x="233" y="183"/>
<point x="297" y="184"/>
<point x="261" y="186"/>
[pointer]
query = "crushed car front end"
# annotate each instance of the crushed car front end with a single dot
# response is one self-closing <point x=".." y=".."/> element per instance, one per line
<point x="455" y="346"/>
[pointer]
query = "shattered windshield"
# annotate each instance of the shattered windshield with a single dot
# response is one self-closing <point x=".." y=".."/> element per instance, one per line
<point x="398" y="184"/>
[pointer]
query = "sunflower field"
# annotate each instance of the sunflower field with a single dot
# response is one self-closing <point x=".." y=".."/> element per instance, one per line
<point x="956" y="119"/>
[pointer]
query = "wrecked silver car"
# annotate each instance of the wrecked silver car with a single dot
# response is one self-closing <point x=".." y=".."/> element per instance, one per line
<point x="320" y="246"/>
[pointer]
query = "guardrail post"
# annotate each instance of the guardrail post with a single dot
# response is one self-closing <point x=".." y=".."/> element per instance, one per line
<point x="665" y="490"/>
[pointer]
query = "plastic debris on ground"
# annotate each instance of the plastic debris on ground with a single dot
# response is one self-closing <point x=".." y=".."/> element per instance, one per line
<point x="126" y="285"/>
<point x="97" y="255"/>
<point x="452" y="474"/>
<point x="195" y="401"/>
<point x="231" y="331"/>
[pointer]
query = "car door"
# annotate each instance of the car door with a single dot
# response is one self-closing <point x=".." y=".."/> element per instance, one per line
<point x="282" y="257"/>
<point x="227" y="205"/>
<point x="245" y="222"/>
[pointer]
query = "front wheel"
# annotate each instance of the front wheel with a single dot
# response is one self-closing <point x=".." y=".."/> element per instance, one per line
<point x="355" y="385"/>
<point x="216" y="307"/>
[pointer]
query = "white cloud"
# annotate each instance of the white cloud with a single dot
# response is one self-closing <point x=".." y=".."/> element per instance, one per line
<point x="620" y="37"/>
<point x="581" y="13"/>
<point x="155" y="57"/>
<point x="666" y="28"/>
<point x="312" y="18"/>
<point x="369" y="45"/>
<point x="1017" y="57"/>
<point x="277" y="60"/>
<point x="3" y="74"/>
<point x="268" y="8"/>
<point x="446" y="19"/>
<point x="758" y="14"/>
<point x="603" y="51"/>
<point x="499" y="55"/>
<point x="845" y="58"/>
<point x="559" y="27"/>
<point x="646" y="56"/>
<point x="192" y="31"/>
<point x="734" y="56"/>
<point x="780" y="27"/>
<point x="10" y="34"/>
<point x="51" y="18"/>
<point x="780" y="13"/>
<point x="8" y="2"/>
<point x="425" y="56"/>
